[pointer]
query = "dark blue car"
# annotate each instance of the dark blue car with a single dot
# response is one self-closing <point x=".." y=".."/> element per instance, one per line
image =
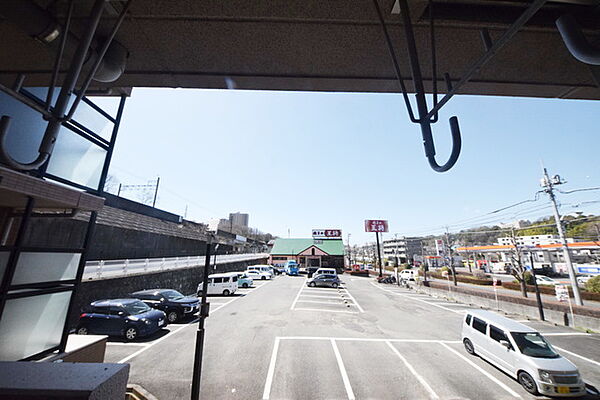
<point x="129" y="318"/>
<point x="175" y="305"/>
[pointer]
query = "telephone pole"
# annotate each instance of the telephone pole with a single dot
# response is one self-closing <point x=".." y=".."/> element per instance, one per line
<point x="548" y="185"/>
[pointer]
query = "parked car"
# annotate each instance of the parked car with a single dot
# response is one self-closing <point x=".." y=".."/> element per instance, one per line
<point x="544" y="280"/>
<point x="175" y="305"/>
<point x="408" y="274"/>
<point x="582" y="280"/>
<point x="129" y="318"/>
<point x="225" y="284"/>
<point x="326" y="280"/>
<point x="311" y="271"/>
<point x="244" y="280"/>
<point x="262" y="268"/>
<point x="258" y="275"/>
<point x="326" y="271"/>
<point x="522" y="353"/>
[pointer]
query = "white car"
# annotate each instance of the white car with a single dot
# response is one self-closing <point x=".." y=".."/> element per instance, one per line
<point x="544" y="280"/>
<point x="258" y="275"/>
<point x="521" y="352"/>
<point x="582" y="280"/>
<point x="225" y="284"/>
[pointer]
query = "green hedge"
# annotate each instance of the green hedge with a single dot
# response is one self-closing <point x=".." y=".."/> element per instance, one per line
<point x="549" y="290"/>
<point x="463" y="278"/>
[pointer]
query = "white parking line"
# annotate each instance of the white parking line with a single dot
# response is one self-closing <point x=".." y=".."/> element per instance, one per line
<point x="355" y="302"/>
<point x="577" y="355"/>
<point x="484" y="372"/>
<point x="271" y="371"/>
<point x="413" y="371"/>
<point x="325" y="310"/>
<point x="319" y="297"/>
<point x="350" y="339"/>
<point x="297" y="296"/>
<point x="415" y="299"/>
<point x="339" y="303"/>
<point x="191" y="323"/>
<point x="342" y="368"/>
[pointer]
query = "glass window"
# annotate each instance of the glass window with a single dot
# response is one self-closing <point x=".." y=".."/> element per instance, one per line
<point x="468" y="319"/>
<point x="479" y="325"/>
<point x="534" y="345"/>
<point x="136" y="307"/>
<point x="101" y="310"/>
<point x="497" y="334"/>
<point x="33" y="324"/>
<point x="76" y="159"/>
<point x="235" y="278"/>
<point x="45" y="267"/>
<point x="217" y="280"/>
<point x="3" y="261"/>
<point x="170" y="295"/>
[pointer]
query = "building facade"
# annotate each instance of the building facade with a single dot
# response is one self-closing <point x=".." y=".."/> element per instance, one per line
<point x="533" y="240"/>
<point x="402" y="249"/>
<point x="239" y="219"/>
<point x="309" y="252"/>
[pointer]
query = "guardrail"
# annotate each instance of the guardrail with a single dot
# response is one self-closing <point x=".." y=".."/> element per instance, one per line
<point x="113" y="268"/>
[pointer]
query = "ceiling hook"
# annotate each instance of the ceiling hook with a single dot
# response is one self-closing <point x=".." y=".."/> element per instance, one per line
<point x="430" y="145"/>
<point x="576" y="42"/>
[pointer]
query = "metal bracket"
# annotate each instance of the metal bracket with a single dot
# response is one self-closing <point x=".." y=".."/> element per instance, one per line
<point x="426" y="116"/>
<point x="56" y="115"/>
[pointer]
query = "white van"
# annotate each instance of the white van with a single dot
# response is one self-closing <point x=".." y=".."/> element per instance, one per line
<point x="408" y="274"/>
<point x="225" y="284"/>
<point x="261" y="268"/>
<point x="522" y="353"/>
<point x="325" y="271"/>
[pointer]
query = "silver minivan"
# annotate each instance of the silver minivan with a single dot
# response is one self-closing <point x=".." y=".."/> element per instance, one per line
<point x="522" y="353"/>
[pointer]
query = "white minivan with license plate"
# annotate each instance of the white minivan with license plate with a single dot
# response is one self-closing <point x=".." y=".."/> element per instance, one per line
<point x="225" y="284"/>
<point x="522" y="353"/>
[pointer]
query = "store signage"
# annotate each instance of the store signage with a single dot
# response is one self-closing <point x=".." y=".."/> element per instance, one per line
<point x="326" y="233"/>
<point x="376" y="225"/>
<point x="239" y="238"/>
<point x="588" y="270"/>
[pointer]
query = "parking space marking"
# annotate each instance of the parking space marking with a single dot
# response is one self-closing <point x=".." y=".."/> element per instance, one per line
<point x="416" y="299"/>
<point x="355" y="302"/>
<point x="325" y="310"/>
<point x="432" y="393"/>
<point x="350" y="339"/>
<point x="271" y="371"/>
<point x="342" y="368"/>
<point x="191" y="323"/>
<point x="298" y="295"/>
<point x="338" y="302"/>
<point x="319" y="297"/>
<point x="484" y="372"/>
<point x="577" y="355"/>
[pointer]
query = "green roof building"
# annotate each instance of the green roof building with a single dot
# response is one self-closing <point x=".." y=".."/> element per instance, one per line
<point x="309" y="252"/>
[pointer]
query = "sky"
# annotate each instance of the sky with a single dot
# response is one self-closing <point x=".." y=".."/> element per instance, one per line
<point x="297" y="161"/>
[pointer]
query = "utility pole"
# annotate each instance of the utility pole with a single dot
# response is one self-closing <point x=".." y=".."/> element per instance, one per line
<point x="156" y="191"/>
<point x="396" y="251"/>
<point x="379" y="254"/>
<point x="450" y="258"/>
<point x="349" y="252"/>
<point x="548" y="185"/>
<point x="538" y="298"/>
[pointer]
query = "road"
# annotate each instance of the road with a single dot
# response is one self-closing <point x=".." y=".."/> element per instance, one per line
<point x="283" y="340"/>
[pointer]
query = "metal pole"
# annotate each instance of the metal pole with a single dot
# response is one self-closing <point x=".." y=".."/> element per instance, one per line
<point x="550" y="190"/>
<point x="119" y="191"/>
<point x="156" y="191"/>
<point x="379" y="254"/>
<point x="204" y="308"/>
<point x="538" y="298"/>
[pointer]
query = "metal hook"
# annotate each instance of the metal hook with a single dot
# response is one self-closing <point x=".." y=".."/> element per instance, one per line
<point x="430" y="145"/>
<point x="43" y="153"/>
<point x="576" y="42"/>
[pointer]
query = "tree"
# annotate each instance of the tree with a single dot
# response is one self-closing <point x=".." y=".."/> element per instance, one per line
<point x="517" y="269"/>
<point x="111" y="184"/>
<point x="451" y="259"/>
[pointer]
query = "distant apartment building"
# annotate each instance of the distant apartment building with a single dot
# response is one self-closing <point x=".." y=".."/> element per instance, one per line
<point x="402" y="247"/>
<point x="239" y="219"/>
<point x="533" y="240"/>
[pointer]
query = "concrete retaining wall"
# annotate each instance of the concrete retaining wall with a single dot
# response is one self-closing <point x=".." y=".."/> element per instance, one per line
<point x="184" y="280"/>
<point x="557" y="313"/>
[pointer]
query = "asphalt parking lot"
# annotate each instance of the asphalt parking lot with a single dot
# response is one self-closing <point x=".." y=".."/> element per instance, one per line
<point x="283" y="340"/>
